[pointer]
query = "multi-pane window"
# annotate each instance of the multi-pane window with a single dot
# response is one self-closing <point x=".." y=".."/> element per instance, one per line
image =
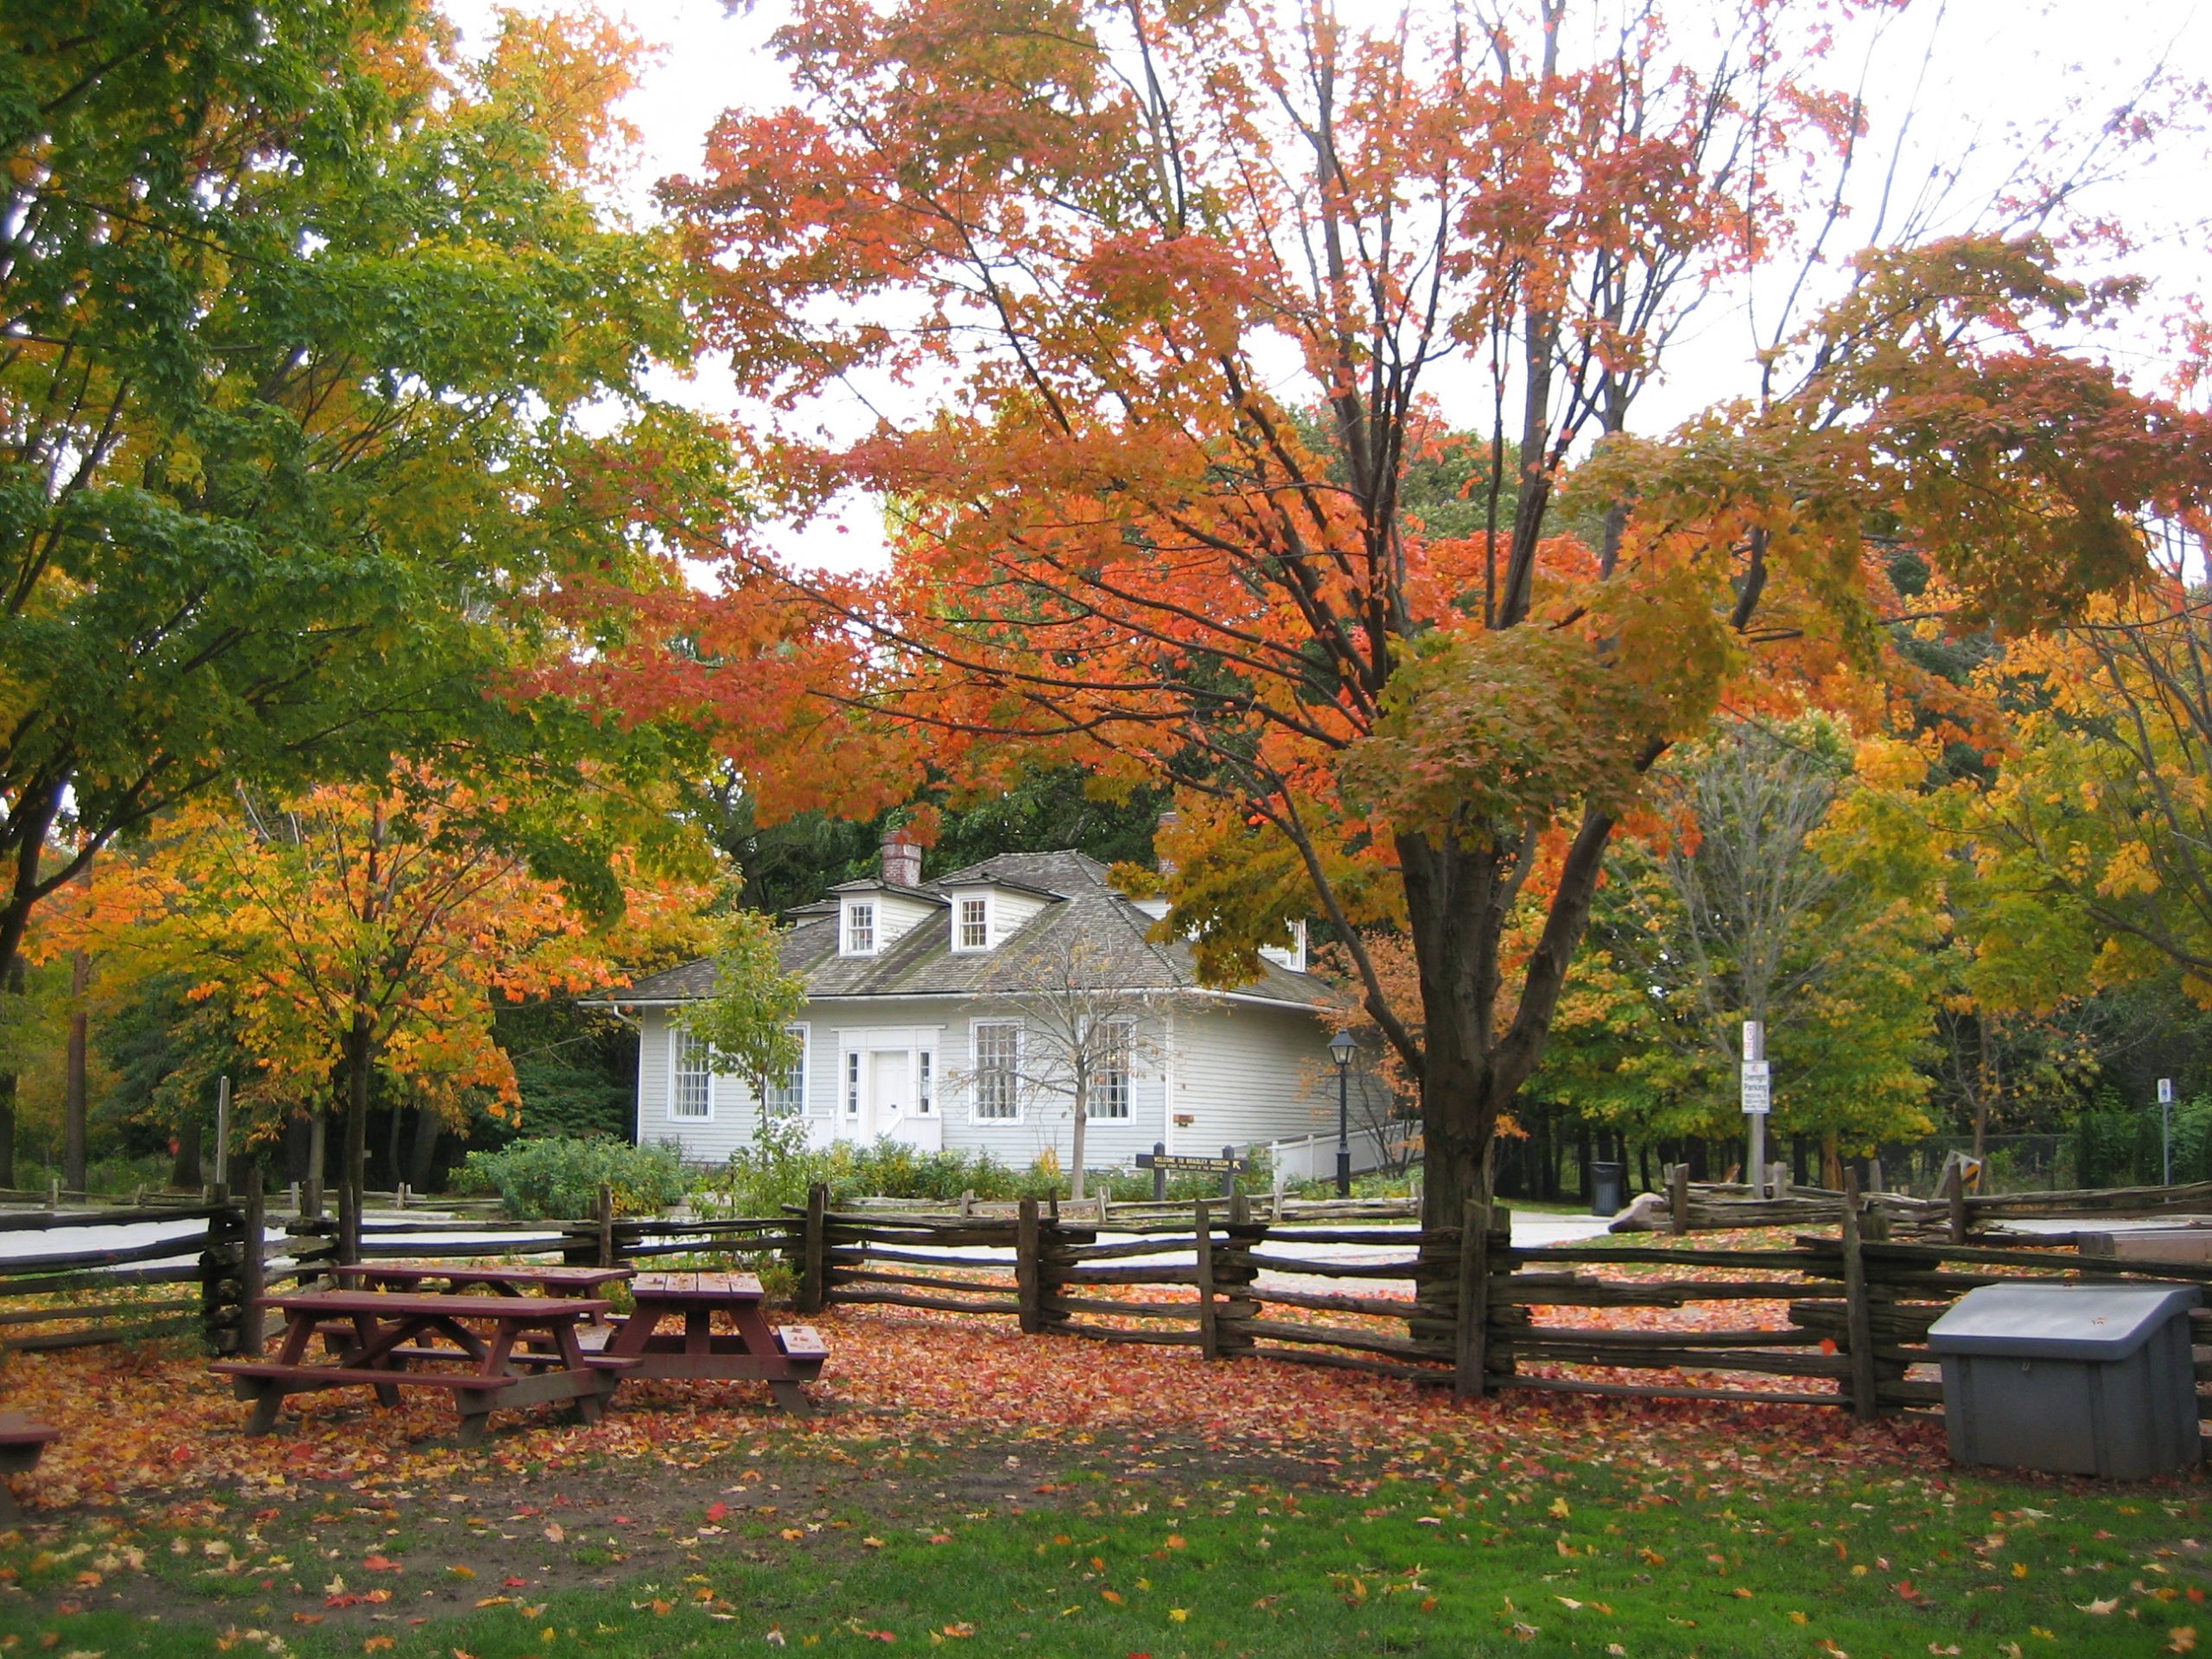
<point x="975" y="924"/>
<point x="1108" y="1094"/>
<point x="924" y="1083"/>
<point x="998" y="1059"/>
<point x="786" y="1094"/>
<point x="853" y="1084"/>
<point x="860" y="930"/>
<point x="692" y="1095"/>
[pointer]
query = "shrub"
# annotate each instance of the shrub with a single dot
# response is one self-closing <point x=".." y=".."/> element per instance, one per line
<point x="558" y="1176"/>
<point x="779" y="1167"/>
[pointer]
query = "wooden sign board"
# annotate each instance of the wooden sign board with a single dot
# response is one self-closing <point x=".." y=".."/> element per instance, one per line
<point x="1203" y="1166"/>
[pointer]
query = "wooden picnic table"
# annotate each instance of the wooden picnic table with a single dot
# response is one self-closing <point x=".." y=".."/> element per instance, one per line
<point x="504" y="1282"/>
<point x="782" y="1358"/>
<point x="396" y="1336"/>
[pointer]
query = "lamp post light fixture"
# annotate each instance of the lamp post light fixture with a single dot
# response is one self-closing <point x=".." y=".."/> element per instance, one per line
<point x="1343" y="1046"/>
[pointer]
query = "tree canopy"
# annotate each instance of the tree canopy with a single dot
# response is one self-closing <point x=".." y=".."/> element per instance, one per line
<point x="1117" y="254"/>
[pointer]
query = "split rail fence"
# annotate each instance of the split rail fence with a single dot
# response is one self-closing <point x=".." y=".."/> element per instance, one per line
<point x="1830" y="1318"/>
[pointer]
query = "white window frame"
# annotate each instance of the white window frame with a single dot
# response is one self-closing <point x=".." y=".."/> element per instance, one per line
<point x="857" y="941"/>
<point x="925" y="1082"/>
<point x="1109" y="1093"/>
<point x="770" y="1107"/>
<point x="975" y="1112"/>
<point x="855" y="1068"/>
<point x="682" y="1045"/>
<point x="960" y="903"/>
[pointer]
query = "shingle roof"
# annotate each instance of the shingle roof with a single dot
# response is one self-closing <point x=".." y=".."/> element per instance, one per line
<point x="1090" y="931"/>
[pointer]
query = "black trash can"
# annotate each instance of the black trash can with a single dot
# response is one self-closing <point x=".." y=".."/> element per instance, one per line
<point x="1608" y="1188"/>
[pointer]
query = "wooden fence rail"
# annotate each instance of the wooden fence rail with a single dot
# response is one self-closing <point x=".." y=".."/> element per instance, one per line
<point x="1837" y="1318"/>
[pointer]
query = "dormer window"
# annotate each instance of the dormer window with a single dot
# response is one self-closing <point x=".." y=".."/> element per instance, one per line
<point x="971" y="924"/>
<point x="860" y="928"/>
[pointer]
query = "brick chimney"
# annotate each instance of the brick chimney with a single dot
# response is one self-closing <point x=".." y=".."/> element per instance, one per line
<point x="902" y="861"/>
<point x="1168" y="819"/>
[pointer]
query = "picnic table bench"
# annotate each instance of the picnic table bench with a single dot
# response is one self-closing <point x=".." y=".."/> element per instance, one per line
<point x="782" y="1358"/>
<point x="395" y="1335"/>
<point x="23" y="1442"/>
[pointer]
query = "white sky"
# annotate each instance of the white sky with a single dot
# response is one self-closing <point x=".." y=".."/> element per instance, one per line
<point x="2001" y="66"/>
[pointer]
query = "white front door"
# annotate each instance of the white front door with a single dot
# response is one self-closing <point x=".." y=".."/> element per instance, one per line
<point x="890" y="1095"/>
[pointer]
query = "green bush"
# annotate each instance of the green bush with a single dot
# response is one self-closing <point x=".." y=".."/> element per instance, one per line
<point x="2116" y="1147"/>
<point x="557" y="1177"/>
<point x="779" y="1167"/>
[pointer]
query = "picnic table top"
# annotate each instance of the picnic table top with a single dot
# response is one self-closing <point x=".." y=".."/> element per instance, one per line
<point x="717" y="1287"/>
<point x="457" y="1274"/>
<point x="388" y="1304"/>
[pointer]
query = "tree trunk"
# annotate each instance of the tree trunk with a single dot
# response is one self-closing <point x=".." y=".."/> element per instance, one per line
<point x="11" y="985"/>
<point x="391" y="1144"/>
<point x="73" y="1101"/>
<point x="185" y="1172"/>
<point x="1077" y="1143"/>
<point x="318" y="1176"/>
<point x="423" y="1160"/>
<point x="1459" y="899"/>
<point x="1985" y="1085"/>
<point x="360" y="1053"/>
<point x="1831" y="1162"/>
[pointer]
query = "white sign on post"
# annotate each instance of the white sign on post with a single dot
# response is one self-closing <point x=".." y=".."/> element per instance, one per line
<point x="1757" y="1093"/>
<point x="2165" y="1091"/>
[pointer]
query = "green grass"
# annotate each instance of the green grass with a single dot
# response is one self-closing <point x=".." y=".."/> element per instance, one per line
<point x="1720" y="1560"/>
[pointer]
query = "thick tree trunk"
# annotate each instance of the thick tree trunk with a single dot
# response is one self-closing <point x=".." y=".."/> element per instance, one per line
<point x="26" y="823"/>
<point x="1459" y="899"/>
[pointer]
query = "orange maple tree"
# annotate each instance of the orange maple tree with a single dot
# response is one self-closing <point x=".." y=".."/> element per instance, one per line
<point x="361" y="932"/>
<point x="1166" y="293"/>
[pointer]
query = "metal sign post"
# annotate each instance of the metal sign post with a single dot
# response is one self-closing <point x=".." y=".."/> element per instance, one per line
<point x="2166" y="1131"/>
<point x="1758" y="1099"/>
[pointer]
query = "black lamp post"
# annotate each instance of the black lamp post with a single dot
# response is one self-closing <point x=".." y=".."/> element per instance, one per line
<point x="1343" y="1047"/>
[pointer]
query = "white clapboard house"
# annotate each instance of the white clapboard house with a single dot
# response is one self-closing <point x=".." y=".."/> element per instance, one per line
<point x="921" y="1026"/>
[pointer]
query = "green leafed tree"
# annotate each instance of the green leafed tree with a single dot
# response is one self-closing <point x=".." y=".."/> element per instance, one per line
<point x="1737" y="909"/>
<point x="299" y="316"/>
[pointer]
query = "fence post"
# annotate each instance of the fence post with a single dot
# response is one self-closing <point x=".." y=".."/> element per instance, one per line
<point x="1209" y="1332"/>
<point x="1159" y="1175"/>
<point x="1859" y="1313"/>
<point x="1028" y="1284"/>
<point x="1473" y="1310"/>
<point x="1233" y="1279"/>
<point x="253" y="1278"/>
<point x="220" y="1320"/>
<point x="1678" y="1198"/>
<point x="813" y="1283"/>
<point x="1954" y="1197"/>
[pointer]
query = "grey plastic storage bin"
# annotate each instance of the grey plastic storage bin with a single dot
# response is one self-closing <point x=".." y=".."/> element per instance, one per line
<point x="2074" y="1379"/>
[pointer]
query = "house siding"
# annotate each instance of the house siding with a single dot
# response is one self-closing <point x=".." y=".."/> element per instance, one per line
<point x="1248" y="1074"/>
<point x="1244" y="1073"/>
